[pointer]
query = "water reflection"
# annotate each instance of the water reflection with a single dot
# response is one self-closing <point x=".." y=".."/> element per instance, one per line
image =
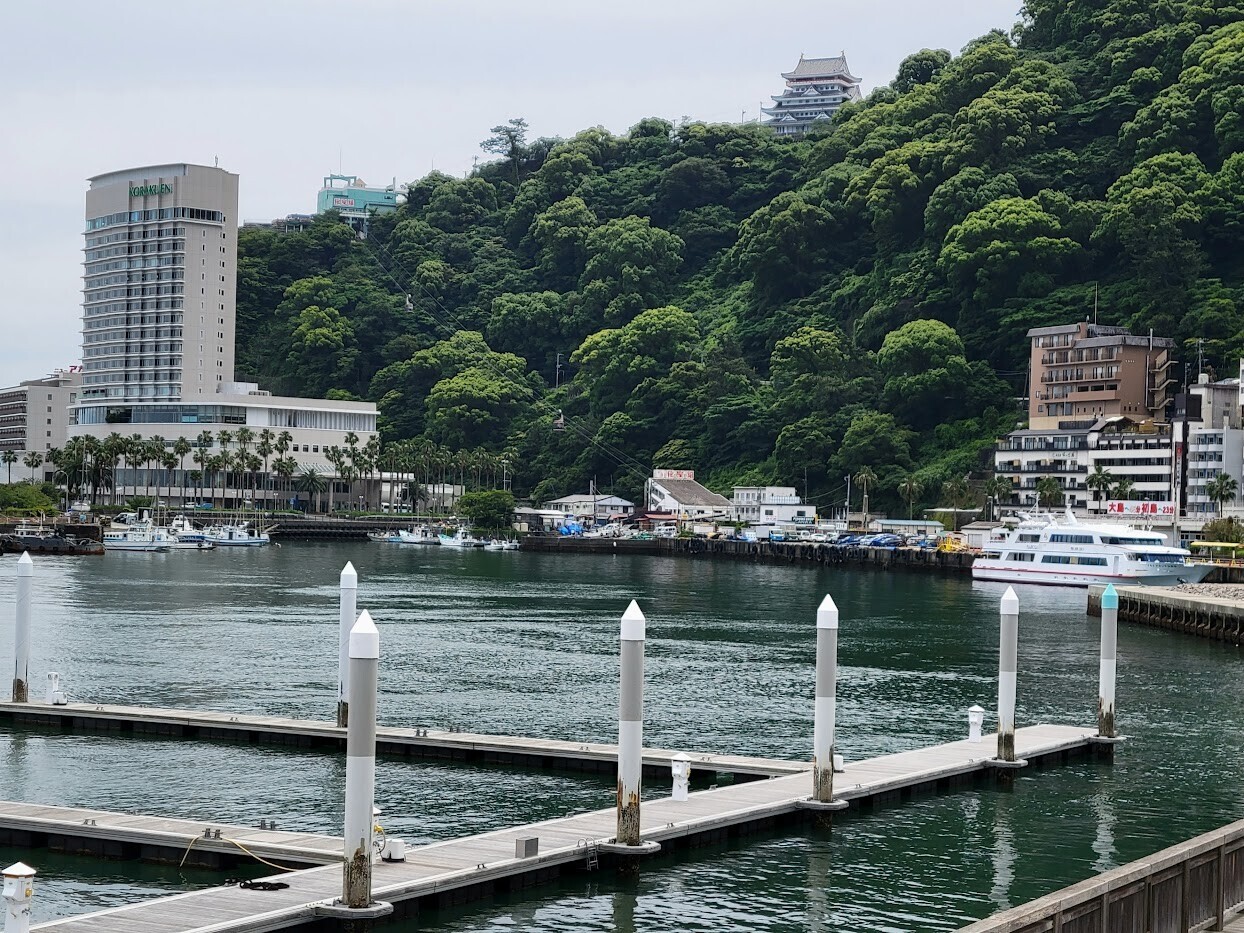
<point x="818" y="887"/>
<point x="1103" y="844"/>
<point x="624" y="903"/>
<point x="1003" y="853"/>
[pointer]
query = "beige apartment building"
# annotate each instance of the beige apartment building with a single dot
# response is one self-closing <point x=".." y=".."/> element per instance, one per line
<point x="34" y="414"/>
<point x="1080" y="372"/>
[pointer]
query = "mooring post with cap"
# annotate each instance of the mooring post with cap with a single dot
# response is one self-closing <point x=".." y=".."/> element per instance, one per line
<point x="1109" y="648"/>
<point x="21" y="642"/>
<point x="1008" y="659"/>
<point x="631" y="724"/>
<point x="349" y="614"/>
<point x="361" y="762"/>
<point x="826" y="701"/>
<point x="19" y="890"/>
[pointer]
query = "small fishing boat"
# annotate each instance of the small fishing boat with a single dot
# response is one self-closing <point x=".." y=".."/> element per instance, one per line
<point x="501" y="544"/>
<point x="237" y="535"/>
<point x="187" y="537"/>
<point x="140" y="535"/>
<point x="460" y="538"/>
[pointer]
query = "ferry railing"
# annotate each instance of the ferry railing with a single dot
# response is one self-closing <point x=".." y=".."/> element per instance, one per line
<point x="1195" y="885"/>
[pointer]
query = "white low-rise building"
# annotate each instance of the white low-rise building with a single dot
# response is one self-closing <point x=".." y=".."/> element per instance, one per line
<point x="677" y="492"/>
<point x="770" y="505"/>
<point x="601" y="508"/>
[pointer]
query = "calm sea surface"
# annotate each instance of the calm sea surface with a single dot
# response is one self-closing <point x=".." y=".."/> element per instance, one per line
<point x="526" y="644"/>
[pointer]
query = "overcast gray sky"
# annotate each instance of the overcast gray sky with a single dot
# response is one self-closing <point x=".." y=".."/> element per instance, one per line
<point x="287" y="91"/>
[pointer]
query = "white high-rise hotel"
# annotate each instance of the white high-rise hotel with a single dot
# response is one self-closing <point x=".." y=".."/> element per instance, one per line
<point x="158" y="319"/>
<point x="159" y="279"/>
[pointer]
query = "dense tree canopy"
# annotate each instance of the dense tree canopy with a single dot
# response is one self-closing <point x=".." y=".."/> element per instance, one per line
<point x="766" y="308"/>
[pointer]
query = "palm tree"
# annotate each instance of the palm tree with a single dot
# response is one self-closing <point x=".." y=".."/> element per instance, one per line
<point x="264" y="449"/>
<point x="34" y="460"/>
<point x="285" y="467"/>
<point x="996" y="489"/>
<point x="134" y="454"/>
<point x="956" y="492"/>
<point x="1049" y="492"/>
<point x="910" y="490"/>
<point x="9" y="457"/>
<point x="311" y="481"/>
<point x="181" y="448"/>
<point x="244" y="437"/>
<point x="372" y="454"/>
<point x="865" y="477"/>
<point x="113" y="451"/>
<point x="154" y="451"/>
<point x="1222" y="489"/>
<point x="1123" y="489"/>
<point x="1099" y="481"/>
<point x="169" y="462"/>
<point x="201" y="457"/>
<point x="337" y="457"/>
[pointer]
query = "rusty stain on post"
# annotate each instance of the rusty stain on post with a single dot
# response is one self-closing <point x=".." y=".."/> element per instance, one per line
<point x="356" y="887"/>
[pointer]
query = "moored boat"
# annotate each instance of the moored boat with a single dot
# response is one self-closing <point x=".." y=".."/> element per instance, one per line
<point x="39" y="539"/>
<point x="1044" y="549"/>
<point x="138" y="536"/>
<point x="237" y="535"/>
<point x="460" y="538"/>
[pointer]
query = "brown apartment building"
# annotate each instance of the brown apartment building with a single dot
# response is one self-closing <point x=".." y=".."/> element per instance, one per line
<point x="1081" y="372"/>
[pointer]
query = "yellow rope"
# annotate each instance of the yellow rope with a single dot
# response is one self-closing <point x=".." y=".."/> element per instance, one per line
<point x="194" y="839"/>
<point x="258" y="859"/>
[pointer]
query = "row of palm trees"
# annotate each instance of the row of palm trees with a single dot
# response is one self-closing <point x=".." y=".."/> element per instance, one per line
<point x="256" y="465"/>
<point x="33" y="460"/>
<point x="957" y="492"/>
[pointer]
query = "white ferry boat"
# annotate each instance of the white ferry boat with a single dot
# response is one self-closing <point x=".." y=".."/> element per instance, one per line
<point x="1066" y="552"/>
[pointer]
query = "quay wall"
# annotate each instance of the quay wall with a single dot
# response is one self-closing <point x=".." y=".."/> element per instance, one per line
<point x="917" y="559"/>
<point x="1191" y="613"/>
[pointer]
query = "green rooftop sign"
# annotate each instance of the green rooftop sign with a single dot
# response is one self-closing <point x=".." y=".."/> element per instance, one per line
<point x="141" y="191"/>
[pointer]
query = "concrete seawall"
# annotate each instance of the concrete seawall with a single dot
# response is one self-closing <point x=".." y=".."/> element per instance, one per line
<point x="917" y="559"/>
<point x="1195" y="613"/>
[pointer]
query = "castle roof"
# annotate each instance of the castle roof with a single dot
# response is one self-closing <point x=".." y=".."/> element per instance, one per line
<point x="821" y="68"/>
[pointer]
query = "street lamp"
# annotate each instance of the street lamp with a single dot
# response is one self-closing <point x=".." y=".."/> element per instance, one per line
<point x="65" y="497"/>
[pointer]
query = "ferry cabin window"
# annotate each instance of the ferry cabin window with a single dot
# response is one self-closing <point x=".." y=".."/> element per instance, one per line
<point x="1020" y="556"/>
<point x="1074" y="559"/>
<point x="1072" y="539"/>
<point x="1031" y="539"/>
<point x="1114" y="539"/>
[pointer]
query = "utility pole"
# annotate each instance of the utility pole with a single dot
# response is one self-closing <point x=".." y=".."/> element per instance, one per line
<point x="847" y="513"/>
<point x="557" y="375"/>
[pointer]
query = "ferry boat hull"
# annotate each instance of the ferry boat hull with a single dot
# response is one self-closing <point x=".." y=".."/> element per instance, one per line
<point x="985" y="570"/>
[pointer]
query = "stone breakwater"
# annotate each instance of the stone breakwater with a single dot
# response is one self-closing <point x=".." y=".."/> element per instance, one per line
<point x="1233" y="591"/>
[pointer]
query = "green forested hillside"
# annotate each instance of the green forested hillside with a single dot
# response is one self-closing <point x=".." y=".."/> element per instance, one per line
<point x="767" y="309"/>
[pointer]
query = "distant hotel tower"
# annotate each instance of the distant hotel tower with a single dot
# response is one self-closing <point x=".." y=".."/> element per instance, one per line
<point x="151" y="330"/>
<point x="814" y="91"/>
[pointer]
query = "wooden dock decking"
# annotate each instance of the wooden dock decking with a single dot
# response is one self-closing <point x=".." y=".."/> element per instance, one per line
<point x="415" y="742"/>
<point x="119" y="835"/>
<point x="457" y="870"/>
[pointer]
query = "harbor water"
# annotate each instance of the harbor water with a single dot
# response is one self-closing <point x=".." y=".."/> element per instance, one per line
<point x="527" y="644"/>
